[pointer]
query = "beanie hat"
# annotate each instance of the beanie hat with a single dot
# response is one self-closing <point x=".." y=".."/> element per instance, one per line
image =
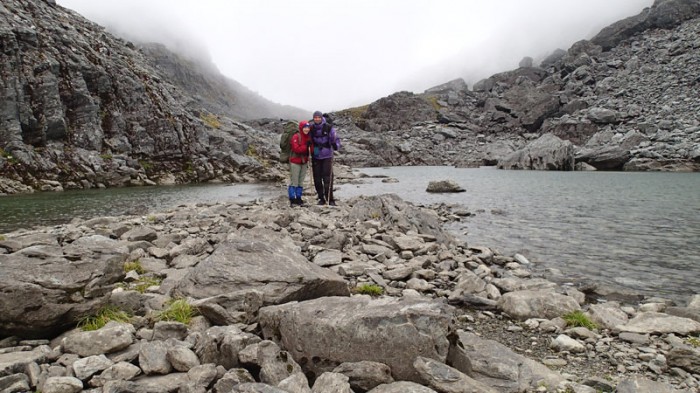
<point x="303" y="124"/>
<point x="318" y="113"/>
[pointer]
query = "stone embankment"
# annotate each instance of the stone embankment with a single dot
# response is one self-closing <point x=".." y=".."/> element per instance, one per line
<point x="278" y="292"/>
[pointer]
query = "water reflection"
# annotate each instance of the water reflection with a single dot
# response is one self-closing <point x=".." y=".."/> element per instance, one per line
<point x="26" y="211"/>
<point x="640" y="230"/>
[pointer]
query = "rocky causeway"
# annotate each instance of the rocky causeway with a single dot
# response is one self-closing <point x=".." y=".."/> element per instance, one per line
<point x="277" y="291"/>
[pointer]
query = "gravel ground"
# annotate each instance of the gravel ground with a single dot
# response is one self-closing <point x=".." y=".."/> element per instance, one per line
<point x="603" y="370"/>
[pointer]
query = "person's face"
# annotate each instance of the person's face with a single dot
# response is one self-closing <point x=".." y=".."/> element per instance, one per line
<point x="317" y="119"/>
<point x="306" y="130"/>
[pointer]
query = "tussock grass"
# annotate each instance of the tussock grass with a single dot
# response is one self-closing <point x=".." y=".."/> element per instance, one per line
<point x="146" y="282"/>
<point x="693" y="341"/>
<point x="2" y="237"/>
<point x="106" y="314"/>
<point x="578" y="318"/>
<point x="433" y="101"/>
<point x="211" y="120"/>
<point x="134" y="266"/>
<point x="177" y="310"/>
<point x="355" y="113"/>
<point x="146" y="165"/>
<point x="369" y="289"/>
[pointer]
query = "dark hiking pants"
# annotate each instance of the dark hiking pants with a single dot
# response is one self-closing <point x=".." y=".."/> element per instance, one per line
<point x="323" y="172"/>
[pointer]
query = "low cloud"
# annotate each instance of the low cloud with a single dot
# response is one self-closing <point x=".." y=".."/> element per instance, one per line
<point x="331" y="55"/>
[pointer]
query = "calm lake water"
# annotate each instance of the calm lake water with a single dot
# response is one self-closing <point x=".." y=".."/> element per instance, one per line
<point x="51" y="208"/>
<point x="637" y="230"/>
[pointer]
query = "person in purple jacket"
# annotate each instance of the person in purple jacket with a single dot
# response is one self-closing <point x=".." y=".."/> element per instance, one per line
<point x="325" y="141"/>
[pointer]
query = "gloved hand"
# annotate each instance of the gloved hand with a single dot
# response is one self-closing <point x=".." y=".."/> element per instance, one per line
<point x="308" y="144"/>
<point x="334" y="146"/>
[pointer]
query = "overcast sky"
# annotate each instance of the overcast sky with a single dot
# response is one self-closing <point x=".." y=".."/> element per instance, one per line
<point x="333" y="54"/>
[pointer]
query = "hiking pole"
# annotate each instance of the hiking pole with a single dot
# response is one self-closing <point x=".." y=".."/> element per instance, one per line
<point x="311" y="175"/>
<point x="330" y="191"/>
<point x="310" y="167"/>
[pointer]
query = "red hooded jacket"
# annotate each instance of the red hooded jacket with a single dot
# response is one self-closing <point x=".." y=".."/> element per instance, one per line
<point x="300" y="152"/>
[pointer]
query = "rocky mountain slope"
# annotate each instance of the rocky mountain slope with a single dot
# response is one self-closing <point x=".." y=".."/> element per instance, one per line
<point x="625" y="100"/>
<point x="81" y="108"/>
<point x="203" y="82"/>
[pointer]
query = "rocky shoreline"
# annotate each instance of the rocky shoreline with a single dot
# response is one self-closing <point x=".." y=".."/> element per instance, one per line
<point x="94" y="111"/>
<point x="278" y="293"/>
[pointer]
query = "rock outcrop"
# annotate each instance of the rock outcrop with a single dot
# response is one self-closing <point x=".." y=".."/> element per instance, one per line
<point x="637" y="77"/>
<point x="82" y="108"/>
<point x="547" y="152"/>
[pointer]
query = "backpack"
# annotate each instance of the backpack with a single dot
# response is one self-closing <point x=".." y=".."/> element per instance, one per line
<point x="290" y="128"/>
<point x="329" y="124"/>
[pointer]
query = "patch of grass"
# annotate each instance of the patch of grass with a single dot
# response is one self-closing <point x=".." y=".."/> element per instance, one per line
<point x="694" y="341"/>
<point x="151" y="218"/>
<point x="2" y="237"/>
<point x="106" y="156"/>
<point x="252" y="152"/>
<point x="211" y="120"/>
<point x="177" y="310"/>
<point x="146" y="282"/>
<point x="578" y="318"/>
<point x="433" y="101"/>
<point x="369" y="289"/>
<point x="146" y="165"/>
<point x="106" y="314"/>
<point x="355" y="113"/>
<point x="188" y="167"/>
<point x="7" y="156"/>
<point x="134" y="266"/>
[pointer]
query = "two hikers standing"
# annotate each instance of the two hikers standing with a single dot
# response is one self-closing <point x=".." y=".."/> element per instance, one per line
<point x="320" y="141"/>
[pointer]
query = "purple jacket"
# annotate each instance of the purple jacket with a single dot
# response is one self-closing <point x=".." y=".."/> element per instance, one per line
<point x="323" y="142"/>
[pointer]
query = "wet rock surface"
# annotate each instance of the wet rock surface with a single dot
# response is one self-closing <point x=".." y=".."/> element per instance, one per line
<point x="444" y="319"/>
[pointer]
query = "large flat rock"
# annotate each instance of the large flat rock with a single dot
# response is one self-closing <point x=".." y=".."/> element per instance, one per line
<point x="263" y="260"/>
<point x="45" y="289"/>
<point x="322" y="333"/>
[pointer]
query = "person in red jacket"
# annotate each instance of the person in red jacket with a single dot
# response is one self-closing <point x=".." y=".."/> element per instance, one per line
<point x="298" y="163"/>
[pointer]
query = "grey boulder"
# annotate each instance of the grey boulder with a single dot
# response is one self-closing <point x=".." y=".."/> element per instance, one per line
<point x="263" y="260"/>
<point x="322" y="333"/>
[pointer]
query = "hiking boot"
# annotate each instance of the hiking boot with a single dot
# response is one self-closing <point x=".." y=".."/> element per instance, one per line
<point x="321" y="202"/>
<point x="331" y="203"/>
<point x="292" y="202"/>
<point x="300" y="202"/>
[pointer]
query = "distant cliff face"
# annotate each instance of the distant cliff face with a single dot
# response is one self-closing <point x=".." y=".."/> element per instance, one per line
<point x="80" y="108"/>
<point x="626" y="100"/>
<point x="210" y="90"/>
